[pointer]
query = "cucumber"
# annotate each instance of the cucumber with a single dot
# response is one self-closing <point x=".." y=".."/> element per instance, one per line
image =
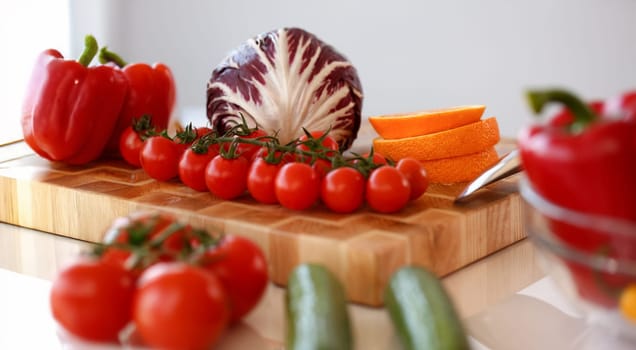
<point x="422" y="313"/>
<point x="317" y="315"/>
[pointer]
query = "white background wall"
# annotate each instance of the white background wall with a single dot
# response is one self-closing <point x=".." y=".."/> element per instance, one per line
<point x="410" y="55"/>
<point x="27" y="27"/>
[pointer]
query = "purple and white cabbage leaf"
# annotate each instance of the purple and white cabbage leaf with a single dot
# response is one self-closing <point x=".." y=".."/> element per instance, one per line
<point x="284" y="80"/>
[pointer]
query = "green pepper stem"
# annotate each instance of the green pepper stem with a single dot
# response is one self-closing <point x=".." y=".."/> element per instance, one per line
<point x="106" y="56"/>
<point x="90" y="50"/>
<point x="583" y="114"/>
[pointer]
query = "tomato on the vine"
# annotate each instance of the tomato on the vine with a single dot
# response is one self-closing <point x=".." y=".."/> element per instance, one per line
<point x="297" y="186"/>
<point x="130" y="144"/>
<point x="92" y="299"/>
<point x="162" y="232"/>
<point x="321" y="167"/>
<point x="261" y="180"/>
<point x="376" y="158"/>
<point x="387" y="189"/>
<point x="226" y="178"/>
<point x="342" y="190"/>
<point x="307" y="143"/>
<point x="202" y="131"/>
<point x="160" y="157"/>
<point x="173" y="304"/>
<point x="180" y="306"/>
<point x="241" y="267"/>
<point x="248" y="150"/>
<point x="192" y="167"/>
<point x="415" y="173"/>
<point x="283" y="157"/>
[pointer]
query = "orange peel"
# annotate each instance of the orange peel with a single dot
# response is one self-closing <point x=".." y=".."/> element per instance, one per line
<point x="467" y="139"/>
<point x="396" y="126"/>
<point x="460" y="169"/>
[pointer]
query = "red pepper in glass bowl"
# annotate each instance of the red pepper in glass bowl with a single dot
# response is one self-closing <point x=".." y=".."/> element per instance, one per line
<point x="152" y="92"/>
<point x="70" y="109"/>
<point x="588" y="164"/>
<point x="579" y="191"/>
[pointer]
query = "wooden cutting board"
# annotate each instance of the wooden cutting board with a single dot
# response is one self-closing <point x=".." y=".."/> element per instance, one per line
<point x="362" y="249"/>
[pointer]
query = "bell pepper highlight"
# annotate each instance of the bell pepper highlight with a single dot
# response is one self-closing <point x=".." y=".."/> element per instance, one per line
<point x="151" y="92"/>
<point x="70" y="109"/>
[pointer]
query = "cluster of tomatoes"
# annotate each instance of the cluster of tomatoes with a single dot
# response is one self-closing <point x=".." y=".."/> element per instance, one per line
<point x="176" y="286"/>
<point x="295" y="175"/>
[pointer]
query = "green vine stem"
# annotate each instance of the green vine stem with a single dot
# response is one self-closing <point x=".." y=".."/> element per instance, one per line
<point x="316" y="151"/>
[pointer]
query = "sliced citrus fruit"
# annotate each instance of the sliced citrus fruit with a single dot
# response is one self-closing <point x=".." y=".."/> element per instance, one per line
<point x="467" y="139"/>
<point x="460" y="169"/>
<point x="396" y="126"/>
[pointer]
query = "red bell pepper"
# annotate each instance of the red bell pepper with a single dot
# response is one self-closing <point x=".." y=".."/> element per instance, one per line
<point x="589" y="164"/>
<point x="584" y="160"/>
<point x="70" y="110"/>
<point x="152" y="92"/>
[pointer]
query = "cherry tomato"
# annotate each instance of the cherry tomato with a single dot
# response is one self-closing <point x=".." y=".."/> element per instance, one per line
<point x="188" y="135"/>
<point x="227" y="178"/>
<point x="321" y="167"/>
<point x="261" y="181"/>
<point x="241" y="267"/>
<point x="263" y="152"/>
<point x="202" y="131"/>
<point x="192" y="167"/>
<point x="245" y="149"/>
<point x="297" y="186"/>
<point x="160" y="157"/>
<point x="180" y="306"/>
<point x="387" y="189"/>
<point x="142" y="228"/>
<point x="376" y="159"/>
<point x="342" y="190"/>
<point x="130" y="145"/>
<point x="415" y="173"/>
<point x="92" y="299"/>
<point x="162" y="234"/>
<point x="328" y="143"/>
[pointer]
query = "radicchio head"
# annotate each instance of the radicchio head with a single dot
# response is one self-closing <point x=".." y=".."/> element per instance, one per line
<point x="284" y="80"/>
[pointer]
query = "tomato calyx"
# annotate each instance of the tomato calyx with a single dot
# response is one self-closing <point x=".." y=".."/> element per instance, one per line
<point x="143" y="127"/>
<point x="232" y="150"/>
<point x="186" y="136"/>
<point x="143" y="124"/>
<point x="149" y="240"/>
<point x="370" y="161"/>
<point x="203" y="144"/>
<point x="241" y="129"/>
<point x="272" y="155"/>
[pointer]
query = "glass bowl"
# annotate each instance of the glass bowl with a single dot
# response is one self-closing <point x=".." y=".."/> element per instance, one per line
<point x="592" y="258"/>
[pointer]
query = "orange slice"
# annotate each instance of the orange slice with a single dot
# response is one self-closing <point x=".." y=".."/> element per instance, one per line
<point x="396" y="126"/>
<point x="467" y="139"/>
<point x="460" y="169"/>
